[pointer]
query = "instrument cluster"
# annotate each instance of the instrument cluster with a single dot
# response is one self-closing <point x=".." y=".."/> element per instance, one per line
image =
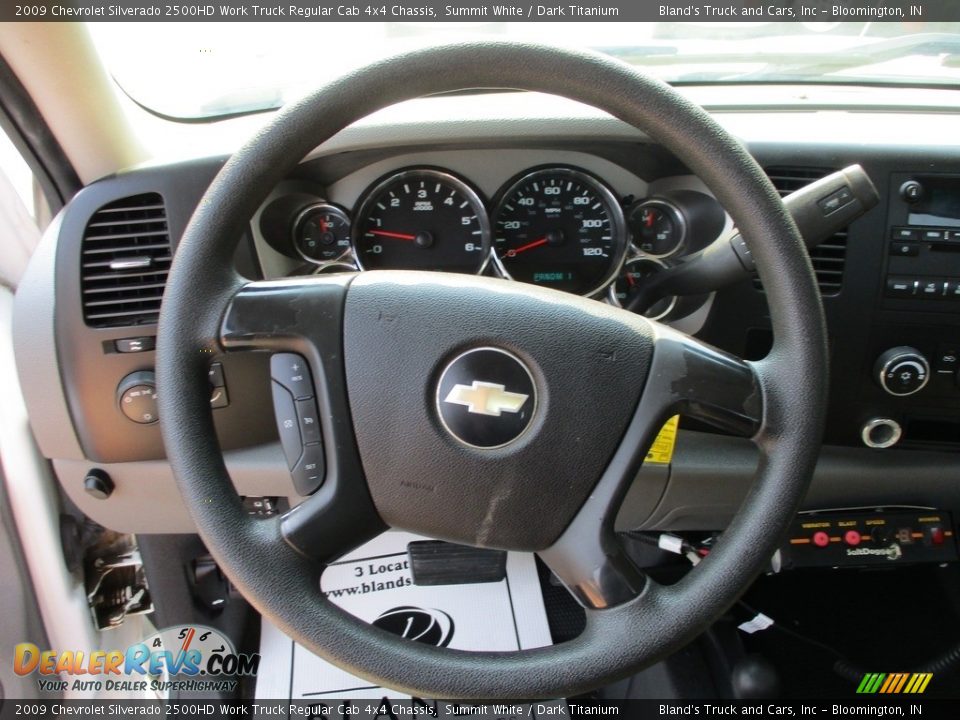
<point x="555" y="226"/>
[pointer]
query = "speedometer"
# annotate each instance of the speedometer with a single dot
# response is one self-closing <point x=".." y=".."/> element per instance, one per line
<point x="422" y="219"/>
<point x="561" y="228"/>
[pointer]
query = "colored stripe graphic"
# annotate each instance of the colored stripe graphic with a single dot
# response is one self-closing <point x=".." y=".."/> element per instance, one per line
<point x="894" y="683"/>
<point x="891" y="680"/>
<point x="903" y="681"/>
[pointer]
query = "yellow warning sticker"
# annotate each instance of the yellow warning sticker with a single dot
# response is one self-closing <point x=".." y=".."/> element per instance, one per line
<point x="662" y="449"/>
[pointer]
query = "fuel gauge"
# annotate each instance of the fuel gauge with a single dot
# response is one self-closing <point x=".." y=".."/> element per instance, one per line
<point x="632" y="276"/>
<point x="658" y="227"/>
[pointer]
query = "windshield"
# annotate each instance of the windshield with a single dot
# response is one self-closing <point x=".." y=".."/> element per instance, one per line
<point x="209" y="70"/>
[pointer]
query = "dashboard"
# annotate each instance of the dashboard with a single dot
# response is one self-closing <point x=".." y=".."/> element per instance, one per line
<point x="554" y="196"/>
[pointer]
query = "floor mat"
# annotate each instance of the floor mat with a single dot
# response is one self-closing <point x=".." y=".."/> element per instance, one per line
<point x="374" y="583"/>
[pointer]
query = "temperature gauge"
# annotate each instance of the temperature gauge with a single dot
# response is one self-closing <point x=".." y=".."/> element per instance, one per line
<point x="659" y="228"/>
<point x="631" y="278"/>
<point x="321" y="233"/>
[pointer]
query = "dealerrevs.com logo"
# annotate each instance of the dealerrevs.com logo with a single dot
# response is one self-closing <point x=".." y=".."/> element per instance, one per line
<point x="182" y="658"/>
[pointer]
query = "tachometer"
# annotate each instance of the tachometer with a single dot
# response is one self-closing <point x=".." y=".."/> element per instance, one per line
<point x="422" y="219"/>
<point x="560" y="228"/>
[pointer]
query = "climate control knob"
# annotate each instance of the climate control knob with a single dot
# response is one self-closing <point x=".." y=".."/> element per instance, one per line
<point x="902" y="371"/>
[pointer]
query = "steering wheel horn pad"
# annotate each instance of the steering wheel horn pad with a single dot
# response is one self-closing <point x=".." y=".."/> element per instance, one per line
<point x="605" y="381"/>
<point x="402" y="329"/>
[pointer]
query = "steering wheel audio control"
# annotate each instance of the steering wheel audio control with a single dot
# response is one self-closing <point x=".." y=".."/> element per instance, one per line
<point x="902" y="371"/>
<point x="298" y="421"/>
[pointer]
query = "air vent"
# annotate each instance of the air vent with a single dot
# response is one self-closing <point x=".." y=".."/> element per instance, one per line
<point x="125" y="257"/>
<point x="829" y="256"/>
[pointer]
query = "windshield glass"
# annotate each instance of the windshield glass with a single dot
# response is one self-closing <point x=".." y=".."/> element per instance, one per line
<point x="208" y="70"/>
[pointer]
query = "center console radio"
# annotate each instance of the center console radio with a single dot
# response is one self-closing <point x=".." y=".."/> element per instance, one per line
<point x="911" y="391"/>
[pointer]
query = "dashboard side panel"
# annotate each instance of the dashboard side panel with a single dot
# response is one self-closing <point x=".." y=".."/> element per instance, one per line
<point x="35" y="346"/>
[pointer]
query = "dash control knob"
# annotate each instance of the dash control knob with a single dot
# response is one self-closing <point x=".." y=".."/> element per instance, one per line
<point x="902" y="371"/>
<point x="911" y="192"/>
<point x="137" y="397"/>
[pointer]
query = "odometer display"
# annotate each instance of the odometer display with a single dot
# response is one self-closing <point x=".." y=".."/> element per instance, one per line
<point x="422" y="219"/>
<point x="559" y="228"/>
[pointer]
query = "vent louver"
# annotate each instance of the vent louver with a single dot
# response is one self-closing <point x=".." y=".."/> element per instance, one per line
<point x="125" y="257"/>
<point x="830" y="256"/>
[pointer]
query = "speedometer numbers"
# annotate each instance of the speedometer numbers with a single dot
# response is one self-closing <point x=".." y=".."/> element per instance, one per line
<point x="422" y="219"/>
<point x="559" y="228"/>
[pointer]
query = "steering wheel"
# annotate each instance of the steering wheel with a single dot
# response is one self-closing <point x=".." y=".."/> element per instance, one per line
<point x="598" y="383"/>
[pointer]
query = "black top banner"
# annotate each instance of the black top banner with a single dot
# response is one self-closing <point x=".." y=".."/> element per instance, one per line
<point x="813" y="11"/>
<point x="416" y="709"/>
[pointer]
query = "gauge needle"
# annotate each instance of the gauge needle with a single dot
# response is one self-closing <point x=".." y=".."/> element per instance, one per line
<point x="395" y="235"/>
<point x="524" y="248"/>
<point x="649" y="220"/>
<point x="630" y="281"/>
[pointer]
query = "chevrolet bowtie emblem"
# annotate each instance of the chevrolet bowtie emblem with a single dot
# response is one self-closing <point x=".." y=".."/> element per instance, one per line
<point x="485" y="398"/>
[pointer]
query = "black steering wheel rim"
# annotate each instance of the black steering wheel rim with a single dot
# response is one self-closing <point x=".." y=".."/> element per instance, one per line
<point x="283" y="585"/>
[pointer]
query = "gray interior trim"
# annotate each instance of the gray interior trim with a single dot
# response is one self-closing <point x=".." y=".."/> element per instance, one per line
<point x="146" y="499"/>
<point x="35" y="342"/>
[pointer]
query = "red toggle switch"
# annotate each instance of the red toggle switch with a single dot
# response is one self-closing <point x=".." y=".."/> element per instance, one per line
<point x="936" y="536"/>
<point x="852" y="537"/>
<point x="821" y="539"/>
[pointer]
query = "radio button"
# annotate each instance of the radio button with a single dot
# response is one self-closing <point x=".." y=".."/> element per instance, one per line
<point x="901" y="287"/>
<point x="904" y="233"/>
<point x="948" y="358"/>
<point x="904" y="249"/>
<point x="935" y="234"/>
<point x="932" y="288"/>
<point x="953" y="290"/>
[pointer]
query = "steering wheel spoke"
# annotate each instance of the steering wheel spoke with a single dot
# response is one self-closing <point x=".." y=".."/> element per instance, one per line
<point x="286" y="315"/>
<point x="333" y="521"/>
<point x="593" y="566"/>
<point x="694" y="379"/>
<point x="305" y="316"/>
<point x="686" y="376"/>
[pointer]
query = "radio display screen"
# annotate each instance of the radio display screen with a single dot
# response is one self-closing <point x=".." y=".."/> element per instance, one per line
<point x="940" y="204"/>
